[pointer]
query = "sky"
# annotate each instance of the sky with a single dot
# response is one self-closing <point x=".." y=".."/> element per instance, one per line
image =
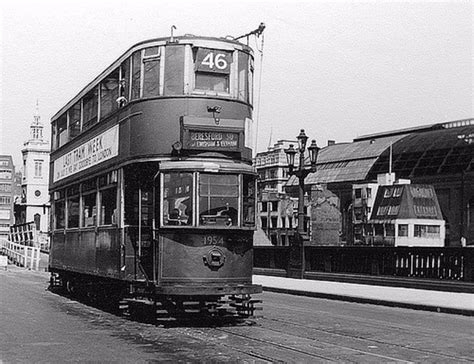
<point x="338" y="69"/>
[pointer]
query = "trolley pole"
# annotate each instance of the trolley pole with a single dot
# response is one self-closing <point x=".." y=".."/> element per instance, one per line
<point x="297" y="261"/>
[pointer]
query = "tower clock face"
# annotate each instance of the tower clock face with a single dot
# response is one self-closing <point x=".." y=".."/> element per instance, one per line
<point x="37" y="193"/>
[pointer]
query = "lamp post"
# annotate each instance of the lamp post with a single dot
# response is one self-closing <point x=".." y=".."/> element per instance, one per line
<point x="296" y="268"/>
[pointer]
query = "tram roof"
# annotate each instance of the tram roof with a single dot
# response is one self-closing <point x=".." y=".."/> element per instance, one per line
<point x="203" y="41"/>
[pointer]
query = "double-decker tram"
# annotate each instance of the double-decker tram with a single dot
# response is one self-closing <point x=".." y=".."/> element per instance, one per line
<point x="152" y="187"/>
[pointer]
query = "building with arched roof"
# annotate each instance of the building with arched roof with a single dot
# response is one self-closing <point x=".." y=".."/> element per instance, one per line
<point x="440" y="155"/>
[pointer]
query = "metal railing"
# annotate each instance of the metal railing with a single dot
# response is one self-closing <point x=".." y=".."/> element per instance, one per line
<point x="435" y="263"/>
<point x="27" y="234"/>
<point x="25" y="256"/>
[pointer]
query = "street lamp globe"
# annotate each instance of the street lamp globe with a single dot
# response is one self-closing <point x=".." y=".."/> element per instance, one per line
<point x="302" y="139"/>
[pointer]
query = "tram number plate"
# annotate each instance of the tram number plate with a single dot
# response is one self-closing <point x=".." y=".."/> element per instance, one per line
<point x="213" y="240"/>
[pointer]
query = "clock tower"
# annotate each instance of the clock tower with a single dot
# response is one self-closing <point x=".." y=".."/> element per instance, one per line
<point x="35" y="196"/>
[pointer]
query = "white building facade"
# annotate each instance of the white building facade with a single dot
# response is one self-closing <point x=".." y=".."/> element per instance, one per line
<point x="35" y="196"/>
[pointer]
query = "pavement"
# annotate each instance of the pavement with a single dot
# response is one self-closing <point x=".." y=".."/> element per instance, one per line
<point x="420" y="299"/>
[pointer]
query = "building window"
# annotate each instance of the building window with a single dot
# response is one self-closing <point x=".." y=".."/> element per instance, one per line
<point x="264" y="222"/>
<point x="264" y="207"/>
<point x="427" y="231"/>
<point x="397" y="192"/>
<point x="5" y="200"/>
<point x="358" y="213"/>
<point x="283" y="222"/>
<point x="274" y="220"/>
<point x="369" y="192"/>
<point x="274" y="205"/>
<point x="5" y="187"/>
<point x="38" y="168"/>
<point x="37" y="220"/>
<point x="402" y="229"/>
<point x="390" y="230"/>
<point x="358" y="192"/>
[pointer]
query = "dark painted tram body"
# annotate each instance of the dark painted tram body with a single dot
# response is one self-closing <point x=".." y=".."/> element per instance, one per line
<point x="152" y="187"/>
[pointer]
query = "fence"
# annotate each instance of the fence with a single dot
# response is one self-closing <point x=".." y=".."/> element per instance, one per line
<point x="447" y="264"/>
<point x="26" y="234"/>
<point x="23" y="255"/>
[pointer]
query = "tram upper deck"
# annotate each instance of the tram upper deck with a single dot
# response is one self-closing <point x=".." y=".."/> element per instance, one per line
<point x="163" y="98"/>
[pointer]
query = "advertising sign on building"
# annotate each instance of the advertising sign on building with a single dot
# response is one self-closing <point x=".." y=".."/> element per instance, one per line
<point x="96" y="150"/>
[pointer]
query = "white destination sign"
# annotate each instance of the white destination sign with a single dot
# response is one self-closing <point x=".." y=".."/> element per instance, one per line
<point x="97" y="150"/>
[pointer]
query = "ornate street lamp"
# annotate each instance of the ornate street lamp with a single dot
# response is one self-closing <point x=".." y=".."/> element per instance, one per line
<point x="301" y="172"/>
<point x="296" y="265"/>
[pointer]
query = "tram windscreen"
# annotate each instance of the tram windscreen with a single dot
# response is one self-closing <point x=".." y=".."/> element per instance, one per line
<point x="218" y="199"/>
<point x="177" y="198"/>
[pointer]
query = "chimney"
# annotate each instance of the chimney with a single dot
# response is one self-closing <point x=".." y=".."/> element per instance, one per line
<point x="331" y="142"/>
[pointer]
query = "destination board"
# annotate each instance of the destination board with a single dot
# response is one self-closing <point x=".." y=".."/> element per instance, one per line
<point x="196" y="139"/>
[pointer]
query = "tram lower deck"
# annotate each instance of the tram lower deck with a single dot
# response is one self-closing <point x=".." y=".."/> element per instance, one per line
<point x="181" y="230"/>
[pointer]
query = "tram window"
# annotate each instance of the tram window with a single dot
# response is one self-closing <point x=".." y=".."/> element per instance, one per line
<point x="62" y="130"/>
<point x="174" y="70"/>
<point x="249" y="200"/>
<point x="59" y="210"/>
<point x="212" y="82"/>
<point x="151" y="72"/>
<point x="75" y="120"/>
<point x="73" y="211"/>
<point x="125" y="79"/>
<point x="212" y="69"/>
<point x="243" y="76"/>
<point x="109" y="92"/>
<point x="136" y="74"/>
<point x="251" y="81"/>
<point x="90" y="109"/>
<point x="89" y="209"/>
<point x="108" y="206"/>
<point x="218" y="199"/>
<point x="177" y="198"/>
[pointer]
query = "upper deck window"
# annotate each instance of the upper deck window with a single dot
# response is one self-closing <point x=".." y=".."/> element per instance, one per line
<point x="61" y="125"/>
<point x="75" y="120"/>
<point x="151" y="72"/>
<point x="109" y="92"/>
<point x="146" y="73"/>
<point x="244" y="77"/>
<point x="90" y="106"/>
<point x="212" y="70"/>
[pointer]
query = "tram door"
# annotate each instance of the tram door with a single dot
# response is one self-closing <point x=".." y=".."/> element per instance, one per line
<point x="139" y="247"/>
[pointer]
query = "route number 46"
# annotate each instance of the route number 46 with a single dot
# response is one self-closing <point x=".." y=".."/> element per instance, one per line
<point x="218" y="61"/>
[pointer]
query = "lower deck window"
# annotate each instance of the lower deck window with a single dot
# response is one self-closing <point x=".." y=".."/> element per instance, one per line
<point x="177" y="198"/>
<point x="207" y="199"/>
<point x="73" y="212"/>
<point x="218" y="199"/>
<point x="108" y="205"/>
<point x="89" y="210"/>
<point x="60" y="214"/>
